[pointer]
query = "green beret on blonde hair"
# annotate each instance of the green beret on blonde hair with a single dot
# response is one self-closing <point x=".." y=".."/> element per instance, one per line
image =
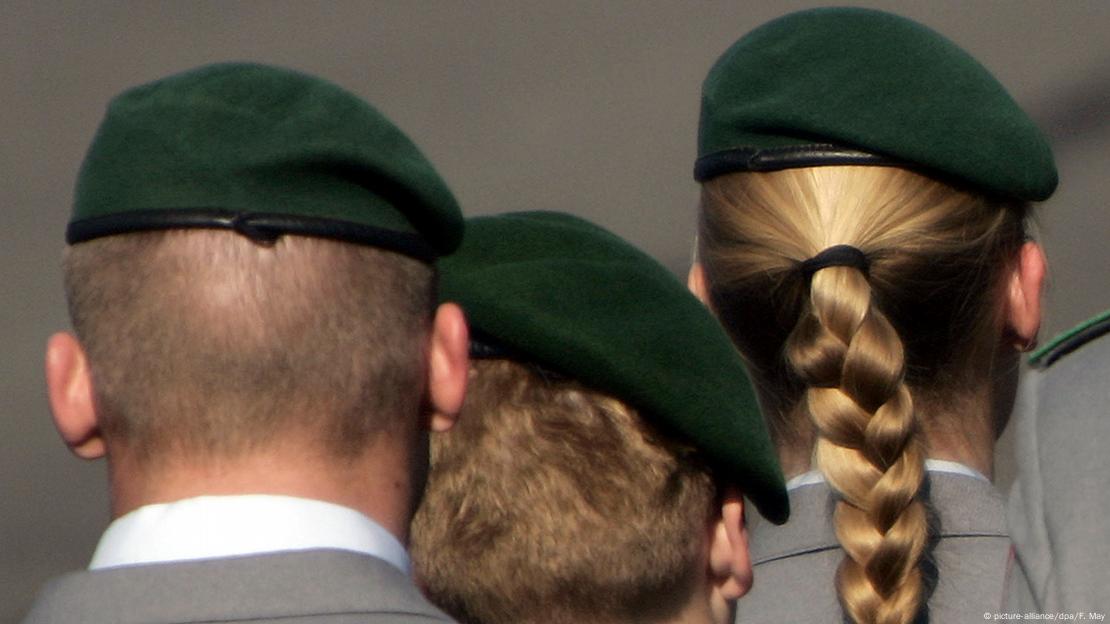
<point x="851" y="86"/>
<point x="264" y="151"/>
<point x="558" y="291"/>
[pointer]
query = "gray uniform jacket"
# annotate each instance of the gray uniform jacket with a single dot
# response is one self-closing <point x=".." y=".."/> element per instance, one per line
<point x="328" y="586"/>
<point x="1060" y="503"/>
<point x="795" y="564"/>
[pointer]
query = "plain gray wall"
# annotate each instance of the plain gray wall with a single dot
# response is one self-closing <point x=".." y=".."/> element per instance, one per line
<point x="584" y="107"/>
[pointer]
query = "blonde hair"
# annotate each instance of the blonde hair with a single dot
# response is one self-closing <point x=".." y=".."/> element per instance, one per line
<point x="206" y="343"/>
<point x="550" y="502"/>
<point x="852" y="360"/>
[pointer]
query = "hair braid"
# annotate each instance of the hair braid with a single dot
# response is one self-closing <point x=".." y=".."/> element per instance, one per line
<point x="852" y="361"/>
<point x="834" y="376"/>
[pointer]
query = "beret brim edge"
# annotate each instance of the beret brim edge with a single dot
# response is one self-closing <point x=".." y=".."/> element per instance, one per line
<point x="258" y="226"/>
<point x="786" y="157"/>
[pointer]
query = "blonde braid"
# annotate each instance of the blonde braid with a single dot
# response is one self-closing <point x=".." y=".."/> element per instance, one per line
<point x="834" y="375"/>
<point x="851" y="359"/>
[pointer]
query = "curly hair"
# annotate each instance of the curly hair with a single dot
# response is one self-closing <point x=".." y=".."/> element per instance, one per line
<point x="551" y="502"/>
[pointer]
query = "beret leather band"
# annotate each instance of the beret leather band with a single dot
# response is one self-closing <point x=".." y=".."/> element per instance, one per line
<point x="485" y="347"/>
<point x="788" y="157"/>
<point x="257" y="226"/>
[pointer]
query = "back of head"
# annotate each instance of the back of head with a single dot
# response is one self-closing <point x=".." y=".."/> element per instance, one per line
<point x="855" y="229"/>
<point x="854" y="363"/>
<point x="206" y="344"/>
<point x="250" y="257"/>
<point x="597" y="435"/>
<point x="935" y="258"/>
<point x="552" y="502"/>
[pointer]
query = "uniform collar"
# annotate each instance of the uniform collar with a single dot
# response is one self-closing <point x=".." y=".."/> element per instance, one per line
<point x="210" y="527"/>
<point x="960" y="505"/>
<point x="931" y="465"/>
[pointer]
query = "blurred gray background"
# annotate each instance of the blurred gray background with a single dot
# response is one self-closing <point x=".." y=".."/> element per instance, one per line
<point x="586" y="107"/>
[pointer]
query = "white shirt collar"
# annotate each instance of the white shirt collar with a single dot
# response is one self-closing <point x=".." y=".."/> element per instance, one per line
<point x="208" y="527"/>
<point x="932" y="465"/>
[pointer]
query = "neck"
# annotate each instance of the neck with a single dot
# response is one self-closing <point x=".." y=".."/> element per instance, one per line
<point x="795" y="460"/>
<point x="376" y="483"/>
<point x="962" y="430"/>
<point x="961" y="440"/>
<point x="700" y="612"/>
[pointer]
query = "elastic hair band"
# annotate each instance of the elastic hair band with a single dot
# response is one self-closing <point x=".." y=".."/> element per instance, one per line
<point x="837" y="255"/>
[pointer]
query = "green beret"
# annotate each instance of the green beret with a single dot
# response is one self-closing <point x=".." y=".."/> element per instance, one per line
<point x="264" y="151"/>
<point x="849" y="86"/>
<point x="558" y="291"/>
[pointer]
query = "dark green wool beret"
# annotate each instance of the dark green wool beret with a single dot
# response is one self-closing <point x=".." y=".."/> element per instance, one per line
<point x="264" y="151"/>
<point x="560" y="292"/>
<point x="836" y="86"/>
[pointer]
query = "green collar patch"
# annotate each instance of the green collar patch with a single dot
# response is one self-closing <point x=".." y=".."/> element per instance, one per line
<point x="1071" y="340"/>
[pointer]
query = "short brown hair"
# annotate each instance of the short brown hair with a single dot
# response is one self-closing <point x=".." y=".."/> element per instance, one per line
<point x="203" y="341"/>
<point x="550" y="502"/>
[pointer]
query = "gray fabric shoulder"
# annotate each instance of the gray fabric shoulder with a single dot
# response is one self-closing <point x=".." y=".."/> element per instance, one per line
<point x="795" y="565"/>
<point x="327" y="586"/>
<point x="964" y="507"/>
<point x="1059" y="504"/>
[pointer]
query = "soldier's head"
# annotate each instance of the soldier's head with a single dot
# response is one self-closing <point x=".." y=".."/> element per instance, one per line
<point x="250" y="266"/>
<point x="607" y="434"/>
<point x="865" y="184"/>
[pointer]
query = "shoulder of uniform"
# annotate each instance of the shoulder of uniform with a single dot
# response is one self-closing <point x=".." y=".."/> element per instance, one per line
<point x="1071" y="340"/>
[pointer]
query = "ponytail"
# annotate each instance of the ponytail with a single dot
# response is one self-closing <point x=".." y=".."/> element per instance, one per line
<point x="852" y="356"/>
<point x="851" y="360"/>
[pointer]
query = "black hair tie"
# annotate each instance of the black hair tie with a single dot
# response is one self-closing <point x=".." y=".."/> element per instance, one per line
<point x="837" y="255"/>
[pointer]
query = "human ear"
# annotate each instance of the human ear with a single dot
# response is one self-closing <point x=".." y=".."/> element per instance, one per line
<point x="448" y="361"/>
<point x="695" y="281"/>
<point x="70" y="391"/>
<point x="1023" y="296"/>
<point x="730" y="566"/>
